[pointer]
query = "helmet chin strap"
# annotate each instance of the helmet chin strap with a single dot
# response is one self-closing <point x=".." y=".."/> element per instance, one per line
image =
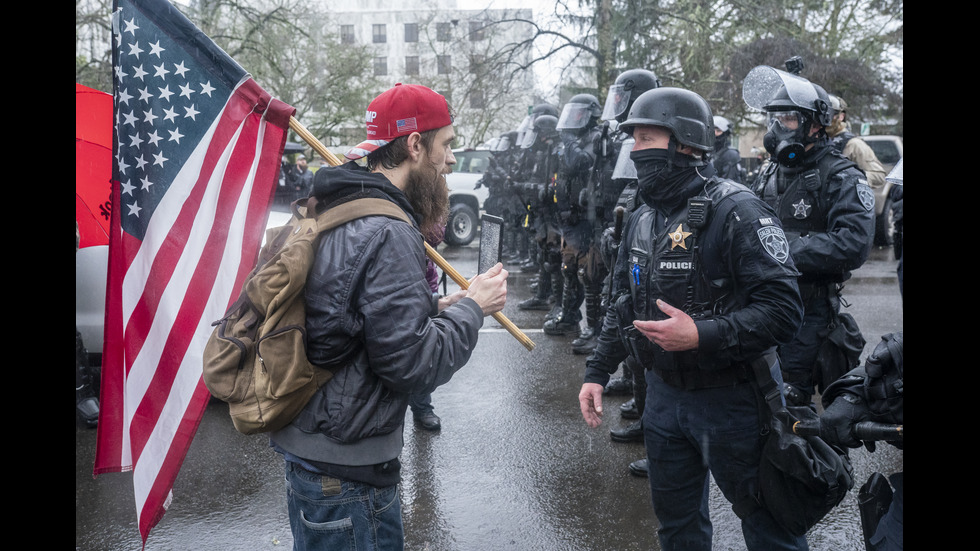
<point x="682" y="160"/>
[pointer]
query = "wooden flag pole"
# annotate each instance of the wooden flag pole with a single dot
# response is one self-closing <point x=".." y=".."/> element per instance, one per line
<point x="430" y="251"/>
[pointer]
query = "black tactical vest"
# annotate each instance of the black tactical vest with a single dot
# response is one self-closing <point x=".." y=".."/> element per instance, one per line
<point x="797" y="198"/>
<point x="667" y="260"/>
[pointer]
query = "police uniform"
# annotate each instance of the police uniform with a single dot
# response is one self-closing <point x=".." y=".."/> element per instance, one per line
<point x="724" y="260"/>
<point x="540" y="163"/>
<point x="727" y="162"/>
<point x="577" y="160"/>
<point x="827" y="210"/>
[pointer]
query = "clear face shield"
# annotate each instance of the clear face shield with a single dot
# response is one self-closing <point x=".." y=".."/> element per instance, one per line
<point x="574" y="116"/>
<point x="503" y="144"/>
<point x="528" y="139"/>
<point x="616" y="102"/>
<point x="522" y="128"/>
<point x="763" y="82"/>
<point x="624" y="168"/>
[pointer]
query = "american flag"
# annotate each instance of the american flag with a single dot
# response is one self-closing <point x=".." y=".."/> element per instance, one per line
<point x="406" y="125"/>
<point x="197" y="153"/>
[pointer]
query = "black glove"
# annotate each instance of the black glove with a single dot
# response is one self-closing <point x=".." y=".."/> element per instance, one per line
<point x="838" y="420"/>
<point x="608" y="244"/>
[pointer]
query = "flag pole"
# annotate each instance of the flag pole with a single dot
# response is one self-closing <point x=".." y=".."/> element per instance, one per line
<point x="430" y="251"/>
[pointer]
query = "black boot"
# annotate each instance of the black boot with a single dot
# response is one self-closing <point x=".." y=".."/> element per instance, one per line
<point x="593" y="315"/>
<point x="630" y="433"/>
<point x="567" y="323"/>
<point x="640" y="467"/>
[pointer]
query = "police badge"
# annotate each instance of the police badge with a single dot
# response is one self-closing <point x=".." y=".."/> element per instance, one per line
<point x="774" y="242"/>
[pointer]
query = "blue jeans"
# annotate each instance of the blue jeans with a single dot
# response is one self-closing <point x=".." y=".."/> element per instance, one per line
<point x="331" y="514"/>
<point x="691" y="434"/>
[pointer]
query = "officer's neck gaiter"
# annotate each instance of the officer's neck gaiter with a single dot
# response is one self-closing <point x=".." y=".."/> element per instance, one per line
<point x="659" y="185"/>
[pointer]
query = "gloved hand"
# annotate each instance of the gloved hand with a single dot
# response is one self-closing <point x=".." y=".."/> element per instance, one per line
<point x="608" y="244"/>
<point x="838" y="420"/>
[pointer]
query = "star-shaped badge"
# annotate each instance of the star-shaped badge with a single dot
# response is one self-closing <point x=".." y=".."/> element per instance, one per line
<point x="678" y="237"/>
<point x="802" y="210"/>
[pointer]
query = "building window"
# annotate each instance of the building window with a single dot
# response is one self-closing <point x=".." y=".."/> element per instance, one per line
<point x="411" y="65"/>
<point x="476" y="99"/>
<point x="444" y="32"/>
<point x="380" y="66"/>
<point x="476" y="63"/>
<point x="379" y="33"/>
<point x="411" y="32"/>
<point x="477" y="30"/>
<point x="347" y="34"/>
<point x="445" y="63"/>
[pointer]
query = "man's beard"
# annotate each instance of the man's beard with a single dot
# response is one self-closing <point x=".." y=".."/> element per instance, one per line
<point x="429" y="196"/>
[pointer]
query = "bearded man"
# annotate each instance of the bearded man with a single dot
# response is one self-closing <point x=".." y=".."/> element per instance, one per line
<point x="372" y="318"/>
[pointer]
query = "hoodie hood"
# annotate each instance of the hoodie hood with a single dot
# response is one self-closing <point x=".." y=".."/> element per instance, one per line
<point x="336" y="185"/>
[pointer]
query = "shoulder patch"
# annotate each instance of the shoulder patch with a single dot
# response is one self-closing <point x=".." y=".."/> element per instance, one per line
<point x="866" y="195"/>
<point x="774" y="242"/>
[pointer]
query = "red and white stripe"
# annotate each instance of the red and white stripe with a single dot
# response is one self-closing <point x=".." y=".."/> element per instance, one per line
<point x="166" y="290"/>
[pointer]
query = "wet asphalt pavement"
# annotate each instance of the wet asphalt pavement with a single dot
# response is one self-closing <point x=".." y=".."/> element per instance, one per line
<point x="513" y="468"/>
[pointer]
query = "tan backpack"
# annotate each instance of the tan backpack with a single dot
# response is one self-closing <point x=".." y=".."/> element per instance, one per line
<point x="256" y="357"/>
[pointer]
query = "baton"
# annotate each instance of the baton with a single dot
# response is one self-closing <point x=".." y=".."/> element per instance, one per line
<point x="309" y="138"/>
<point x="868" y="431"/>
<point x="618" y="228"/>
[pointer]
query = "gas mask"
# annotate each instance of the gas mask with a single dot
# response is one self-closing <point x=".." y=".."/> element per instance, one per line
<point x="785" y="140"/>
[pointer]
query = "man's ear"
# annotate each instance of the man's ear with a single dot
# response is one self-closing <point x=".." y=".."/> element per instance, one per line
<point x="414" y="146"/>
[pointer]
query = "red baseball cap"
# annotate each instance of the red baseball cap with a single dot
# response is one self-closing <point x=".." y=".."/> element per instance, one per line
<point x="404" y="109"/>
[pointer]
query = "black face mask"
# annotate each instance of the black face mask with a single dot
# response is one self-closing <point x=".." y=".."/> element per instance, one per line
<point x="660" y="185"/>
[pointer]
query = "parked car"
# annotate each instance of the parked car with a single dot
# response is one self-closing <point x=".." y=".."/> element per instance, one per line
<point x="465" y="200"/>
<point x="91" y="273"/>
<point x="888" y="149"/>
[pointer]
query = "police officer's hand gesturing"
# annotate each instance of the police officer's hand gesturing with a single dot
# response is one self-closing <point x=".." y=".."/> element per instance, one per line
<point x="674" y="334"/>
<point x="590" y="402"/>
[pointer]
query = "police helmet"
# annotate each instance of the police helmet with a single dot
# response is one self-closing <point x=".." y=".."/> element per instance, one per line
<point x="580" y="111"/>
<point x="506" y="141"/>
<point x="544" y="109"/>
<point x="686" y="114"/>
<point x="543" y="128"/>
<point x="768" y="89"/>
<point x="723" y="124"/>
<point x="628" y="86"/>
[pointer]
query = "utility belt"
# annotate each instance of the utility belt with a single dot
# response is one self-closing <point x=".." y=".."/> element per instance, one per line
<point x="696" y="379"/>
<point x="681" y="370"/>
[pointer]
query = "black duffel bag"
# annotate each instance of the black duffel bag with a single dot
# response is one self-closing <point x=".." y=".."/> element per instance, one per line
<point x="801" y="478"/>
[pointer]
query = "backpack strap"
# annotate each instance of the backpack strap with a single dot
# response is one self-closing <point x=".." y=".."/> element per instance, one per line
<point x="305" y="209"/>
<point x="359" y="208"/>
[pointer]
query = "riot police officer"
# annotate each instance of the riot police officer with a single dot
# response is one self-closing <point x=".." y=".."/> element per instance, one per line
<point x="578" y="129"/>
<point x="629" y="85"/>
<point x="502" y="198"/>
<point x="726" y="159"/>
<point x="604" y="195"/>
<point x="541" y="153"/>
<point x="704" y="286"/>
<point x="827" y="209"/>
